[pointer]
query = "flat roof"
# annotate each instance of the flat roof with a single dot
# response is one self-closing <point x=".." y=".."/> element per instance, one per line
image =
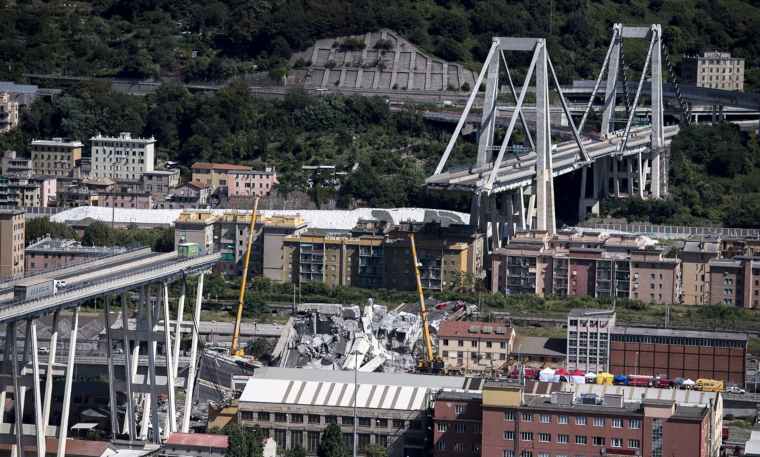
<point x="219" y="166"/>
<point x="401" y="379"/>
<point x="540" y="345"/>
<point x="206" y="440"/>
<point x="58" y="142"/>
<point x="622" y="330"/>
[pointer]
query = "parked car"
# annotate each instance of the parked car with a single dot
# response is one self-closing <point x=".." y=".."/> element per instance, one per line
<point x="735" y="390"/>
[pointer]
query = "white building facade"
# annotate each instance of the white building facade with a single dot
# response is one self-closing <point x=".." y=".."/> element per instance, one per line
<point x="122" y="157"/>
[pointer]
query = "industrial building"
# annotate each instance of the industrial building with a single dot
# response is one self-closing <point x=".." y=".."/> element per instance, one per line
<point x="587" y="420"/>
<point x="686" y="354"/>
<point x="294" y="406"/>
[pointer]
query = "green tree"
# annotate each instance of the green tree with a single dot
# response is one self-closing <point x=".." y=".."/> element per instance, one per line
<point x="98" y="234"/>
<point x="332" y="444"/>
<point x="374" y="450"/>
<point x="296" y="451"/>
<point x="243" y="442"/>
<point x="261" y="348"/>
<point x="165" y="240"/>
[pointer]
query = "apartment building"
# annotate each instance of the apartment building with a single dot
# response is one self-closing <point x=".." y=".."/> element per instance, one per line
<point x="15" y="166"/>
<point x="196" y="227"/>
<point x="592" y="264"/>
<point x="249" y="183"/>
<point x="23" y="192"/>
<point x="714" y="70"/>
<point x="588" y="339"/>
<point x="450" y="257"/>
<point x="475" y="346"/>
<point x="458" y="419"/>
<point x="590" y="421"/>
<point x="294" y="406"/>
<point x="189" y="195"/>
<point x="735" y="282"/>
<point x="735" y="247"/>
<point x="11" y="243"/>
<point x="160" y="182"/>
<point x="122" y="157"/>
<point x="138" y="200"/>
<point x="695" y="270"/>
<point x="55" y="157"/>
<point x="215" y="175"/>
<point x="678" y="353"/>
<point x="49" y="254"/>
<point x="8" y="112"/>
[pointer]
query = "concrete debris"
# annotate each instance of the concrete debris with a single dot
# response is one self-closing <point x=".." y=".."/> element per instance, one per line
<point x="368" y="338"/>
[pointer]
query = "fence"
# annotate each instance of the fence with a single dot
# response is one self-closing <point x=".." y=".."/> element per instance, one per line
<point x="674" y="231"/>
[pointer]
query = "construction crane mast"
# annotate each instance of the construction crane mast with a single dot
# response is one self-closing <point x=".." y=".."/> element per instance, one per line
<point x="235" y="350"/>
<point x="430" y="362"/>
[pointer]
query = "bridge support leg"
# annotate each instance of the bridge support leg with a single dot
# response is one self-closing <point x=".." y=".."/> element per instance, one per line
<point x="171" y="418"/>
<point x="152" y="374"/>
<point x="19" y="416"/>
<point x="129" y="419"/>
<point x="67" y="386"/>
<point x="544" y="177"/>
<point x="193" y="356"/>
<point x="178" y="330"/>
<point x="38" y="425"/>
<point x="49" y="372"/>
<point x="141" y="326"/>
<point x="111" y="371"/>
<point x="610" y="93"/>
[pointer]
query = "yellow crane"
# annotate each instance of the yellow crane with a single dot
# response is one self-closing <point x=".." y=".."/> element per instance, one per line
<point x="235" y="350"/>
<point x="431" y="362"/>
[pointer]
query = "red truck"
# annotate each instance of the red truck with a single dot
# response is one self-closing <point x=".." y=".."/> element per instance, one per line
<point x="640" y="380"/>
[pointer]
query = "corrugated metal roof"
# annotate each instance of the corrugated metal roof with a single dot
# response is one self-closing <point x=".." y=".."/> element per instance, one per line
<point x="392" y="379"/>
<point x="636" y="394"/>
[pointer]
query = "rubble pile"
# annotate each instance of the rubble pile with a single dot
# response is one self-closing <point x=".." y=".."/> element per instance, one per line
<point x="371" y="338"/>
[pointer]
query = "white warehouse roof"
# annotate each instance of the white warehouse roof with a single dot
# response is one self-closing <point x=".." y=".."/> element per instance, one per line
<point x="322" y="219"/>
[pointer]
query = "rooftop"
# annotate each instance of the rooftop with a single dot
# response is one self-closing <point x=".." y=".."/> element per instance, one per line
<point x="58" y="142"/>
<point x="590" y="312"/>
<point x="540" y="345"/>
<point x="206" y="440"/>
<point x="669" y="332"/>
<point x="123" y="136"/>
<point x="219" y="166"/>
<point x="464" y="329"/>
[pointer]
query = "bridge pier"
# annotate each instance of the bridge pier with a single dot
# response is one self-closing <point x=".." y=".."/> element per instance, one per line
<point x="193" y="357"/>
<point x="64" y="429"/>
<point x="129" y="371"/>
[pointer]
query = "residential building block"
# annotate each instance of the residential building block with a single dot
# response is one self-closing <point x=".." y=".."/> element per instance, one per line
<point x="56" y="157"/>
<point x="122" y="157"/>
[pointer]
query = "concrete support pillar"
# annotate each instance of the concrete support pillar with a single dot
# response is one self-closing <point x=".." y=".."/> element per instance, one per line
<point x="63" y="435"/>
<point x="178" y="330"/>
<point x="129" y="419"/>
<point x="49" y="371"/>
<point x="111" y="371"/>
<point x="193" y="356"/>
<point x="658" y="126"/>
<point x="152" y="374"/>
<point x="544" y="179"/>
<point x="38" y="425"/>
<point x="171" y="418"/>
<point x="18" y="426"/>
<point x="2" y="406"/>
<point x="488" y="116"/>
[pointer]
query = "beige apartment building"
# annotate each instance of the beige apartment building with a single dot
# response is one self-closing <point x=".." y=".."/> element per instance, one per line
<point x="655" y="278"/>
<point x="11" y="243"/>
<point x="695" y="270"/>
<point x="8" y="112"/>
<point x="474" y="346"/>
<point x="215" y="175"/>
<point x="715" y="70"/>
<point x="735" y="282"/>
<point x="55" y="157"/>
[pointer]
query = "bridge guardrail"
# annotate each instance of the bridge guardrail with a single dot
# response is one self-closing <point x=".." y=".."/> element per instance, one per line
<point x="674" y="230"/>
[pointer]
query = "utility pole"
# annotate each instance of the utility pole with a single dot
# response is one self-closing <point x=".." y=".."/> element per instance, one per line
<point x="356" y="386"/>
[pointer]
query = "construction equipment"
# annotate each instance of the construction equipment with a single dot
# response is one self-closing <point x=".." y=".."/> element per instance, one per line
<point x="430" y="363"/>
<point x="234" y="349"/>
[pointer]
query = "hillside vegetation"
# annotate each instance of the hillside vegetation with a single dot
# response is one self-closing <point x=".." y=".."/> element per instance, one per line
<point x="213" y="39"/>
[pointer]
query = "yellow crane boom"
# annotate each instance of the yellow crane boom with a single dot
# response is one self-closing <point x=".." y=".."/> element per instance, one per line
<point x="423" y="309"/>
<point x="234" y="349"/>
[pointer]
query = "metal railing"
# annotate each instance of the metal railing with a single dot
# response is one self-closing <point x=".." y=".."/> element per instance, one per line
<point x="674" y="231"/>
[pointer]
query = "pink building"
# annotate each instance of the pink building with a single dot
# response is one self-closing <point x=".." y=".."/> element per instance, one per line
<point x="242" y="183"/>
<point x="125" y="200"/>
<point x="48" y="187"/>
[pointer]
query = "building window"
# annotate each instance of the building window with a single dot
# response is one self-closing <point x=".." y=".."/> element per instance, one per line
<point x="458" y="447"/>
<point x="280" y="417"/>
<point x="314" y="419"/>
<point x="634" y="444"/>
<point x="616" y="442"/>
<point x="526" y="436"/>
<point x="313" y="443"/>
<point x="598" y="441"/>
<point x="617" y="422"/>
<point x="509" y="415"/>
<point x="442" y="427"/>
<point x="562" y="420"/>
<point x="527" y="417"/>
<point x="347" y="420"/>
<point x="296" y="438"/>
<point x="263" y="417"/>
<point x="545" y="418"/>
<point x="509" y="453"/>
<point x="381" y="423"/>
<point x="296" y="418"/>
<point x="460" y="343"/>
<point x="397" y="423"/>
<point x="331" y="419"/>
<point x="634" y="423"/>
<point x="657" y="438"/>
<point x="581" y="440"/>
<point x="543" y="454"/>
<point x="459" y="427"/>
<point x="381" y="440"/>
<point x="580" y="420"/>
<point x="364" y="422"/>
<point x="563" y="439"/>
<point x="598" y="422"/>
<point x="526" y="454"/>
<point x="440" y="445"/>
<point x="509" y="435"/>
<point x="459" y="409"/>
<point x="544" y="437"/>
<point x="279" y="437"/>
